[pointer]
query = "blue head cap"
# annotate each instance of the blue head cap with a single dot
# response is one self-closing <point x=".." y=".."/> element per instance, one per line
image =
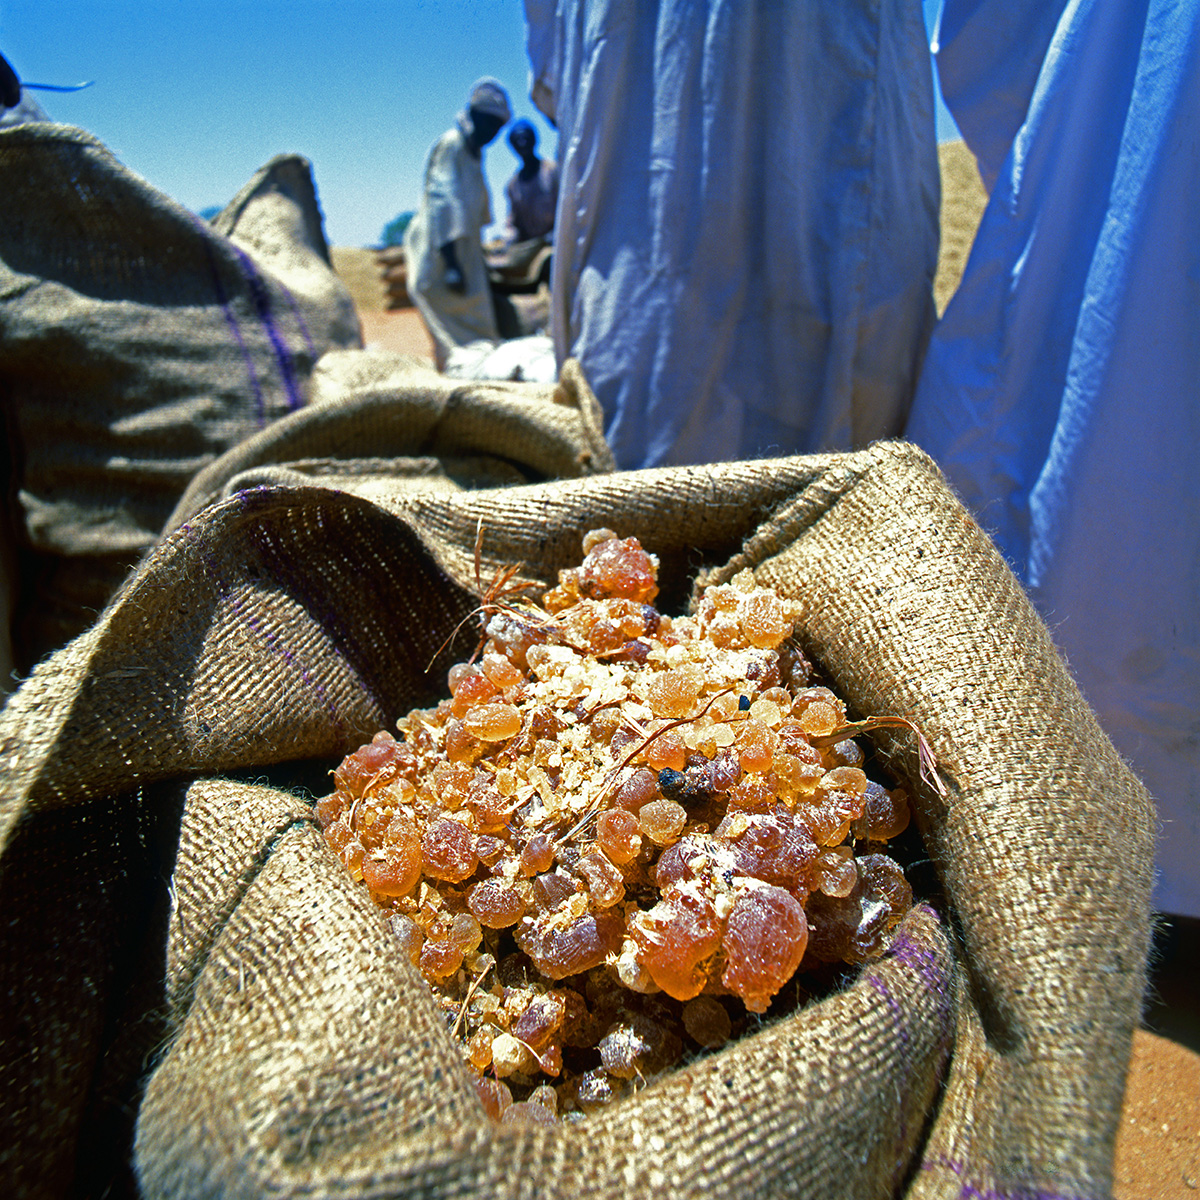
<point x="521" y="128"/>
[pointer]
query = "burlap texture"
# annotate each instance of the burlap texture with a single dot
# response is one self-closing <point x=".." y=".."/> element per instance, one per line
<point x="137" y="344"/>
<point x="294" y="1052"/>
<point x="379" y="424"/>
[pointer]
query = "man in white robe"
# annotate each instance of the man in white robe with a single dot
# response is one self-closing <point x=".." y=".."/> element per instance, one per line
<point x="447" y="273"/>
<point x="747" y="222"/>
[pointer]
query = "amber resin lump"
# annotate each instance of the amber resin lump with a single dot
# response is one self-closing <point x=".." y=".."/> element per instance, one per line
<point x="621" y="833"/>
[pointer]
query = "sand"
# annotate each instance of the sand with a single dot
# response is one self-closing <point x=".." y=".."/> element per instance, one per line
<point x="963" y="200"/>
<point x="1158" y="1143"/>
<point x="400" y="330"/>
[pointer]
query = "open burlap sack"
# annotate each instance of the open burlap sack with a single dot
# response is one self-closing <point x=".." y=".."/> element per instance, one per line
<point x="138" y="343"/>
<point x="290" y="1047"/>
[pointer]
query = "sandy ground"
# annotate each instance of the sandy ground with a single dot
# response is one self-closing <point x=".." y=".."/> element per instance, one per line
<point x="963" y="200"/>
<point x="401" y="330"/>
<point x="1158" y="1143"/>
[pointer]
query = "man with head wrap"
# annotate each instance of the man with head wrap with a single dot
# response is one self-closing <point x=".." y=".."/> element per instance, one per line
<point x="447" y="275"/>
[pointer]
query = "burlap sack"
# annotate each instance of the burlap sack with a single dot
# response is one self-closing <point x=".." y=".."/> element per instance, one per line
<point x="379" y="424"/>
<point x="138" y="343"/>
<point x="289" y="1047"/>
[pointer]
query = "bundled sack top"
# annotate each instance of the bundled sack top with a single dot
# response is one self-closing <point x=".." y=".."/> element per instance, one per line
<point x="137" y="344"/>
<point x="265" y="1034"/>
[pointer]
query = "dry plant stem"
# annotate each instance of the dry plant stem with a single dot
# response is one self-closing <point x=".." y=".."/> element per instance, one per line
<point x="492" y="598"/>
<point x="609" y="782"/>
<point x="462" y="1012"/>
<point x="368" y="789"/>
<point x="926" y="759"/>
<point x="536" y="1055"/>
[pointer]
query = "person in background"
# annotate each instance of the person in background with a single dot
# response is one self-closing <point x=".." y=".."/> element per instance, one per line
<point x="1059" y="393"/>
<point x="747" y="227"/>
<point x="10" y="85"/>
<point x="447" y="274"/>
<point x="17" y="106"/>
<point x="533" y="190"/>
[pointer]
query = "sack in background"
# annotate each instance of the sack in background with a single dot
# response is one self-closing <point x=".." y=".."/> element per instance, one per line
<point x="138" y="343"/>
<point x="293" y="1048"/>
<point x="380" y="424"/>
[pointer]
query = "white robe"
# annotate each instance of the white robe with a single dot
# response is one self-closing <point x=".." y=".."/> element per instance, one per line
<point x="747" y="221"/>
<point x="455" y="207"/>
<point x="1061" y="391"/>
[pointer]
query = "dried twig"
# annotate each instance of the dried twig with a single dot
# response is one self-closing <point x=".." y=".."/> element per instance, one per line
<point x="462" y="1012"/>
<point x="926" y="759"/>
<point x="493" y="598"/>
<point x="612" y="776"/>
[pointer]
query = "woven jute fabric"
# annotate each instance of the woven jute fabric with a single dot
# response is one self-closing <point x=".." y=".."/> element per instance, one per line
<point x="380" y="423"/>
<point x="251" y="1015"/>
<point x="137" y="344"/>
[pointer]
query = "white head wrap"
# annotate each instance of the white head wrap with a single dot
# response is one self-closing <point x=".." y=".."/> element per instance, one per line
<point x="488" y="96"/>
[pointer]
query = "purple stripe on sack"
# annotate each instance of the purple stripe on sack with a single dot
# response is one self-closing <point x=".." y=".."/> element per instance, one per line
<point x="900" y="1028"/>
<point x="921" y="959"/>
<point x="893" y="1006"/>
<point x="262" y="303"/>
<point x="228" y="593"/>
<point x="260" y="406"/>
<point x="289" y="658"/>
<point x="969" y="1191"/>
<point x="905" y="1046"/>
<point x="925" y="962"/>
<point x="291" y="572"/>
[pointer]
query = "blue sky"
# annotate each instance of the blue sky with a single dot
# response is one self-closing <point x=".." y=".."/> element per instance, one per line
<point x="195" y="95"/>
